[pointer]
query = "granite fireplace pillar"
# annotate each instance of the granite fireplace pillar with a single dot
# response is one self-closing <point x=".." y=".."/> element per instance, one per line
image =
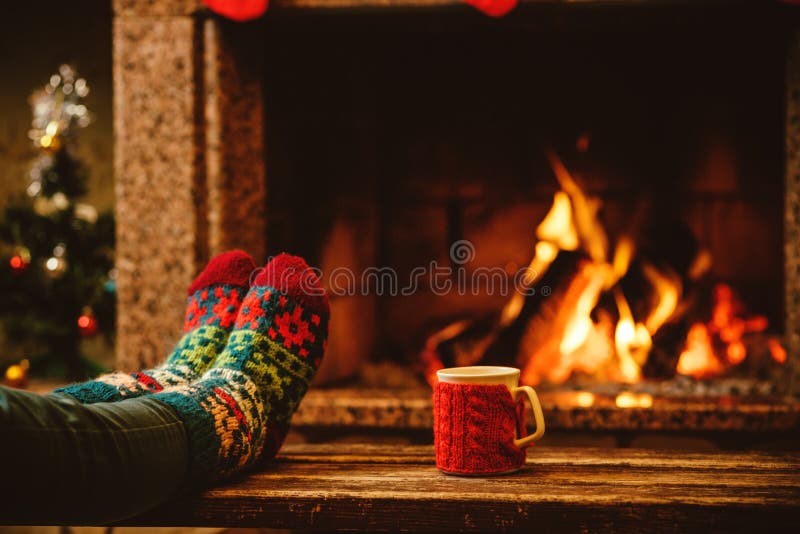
<point x="188" y="161"/>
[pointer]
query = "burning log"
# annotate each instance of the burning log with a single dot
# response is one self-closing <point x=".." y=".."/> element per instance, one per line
<point x="519" y="338"/>
<point x="668" y="343"/>
<point x="561" y="337"/>
<point x="487" y="339"/>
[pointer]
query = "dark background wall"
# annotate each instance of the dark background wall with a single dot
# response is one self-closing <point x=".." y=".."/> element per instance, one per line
<point x="35" y="38"/>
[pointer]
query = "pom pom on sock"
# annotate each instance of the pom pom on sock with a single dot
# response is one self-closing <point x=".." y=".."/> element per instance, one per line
<point x="292" y="276"/>
<point x="233" y="268"/>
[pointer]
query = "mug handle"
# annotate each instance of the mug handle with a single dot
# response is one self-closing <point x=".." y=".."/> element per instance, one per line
<point x="537" y="415"/>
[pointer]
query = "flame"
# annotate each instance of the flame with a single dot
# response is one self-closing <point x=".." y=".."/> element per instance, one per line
<point x="546" y="252"/>
<point x="558" y="226"/>
<point x="728" y="328"/>
<point x="571" y="221"/>
<point x="623" y="254"/>
<point x="556" y="232"/>
<point x="668" y="288"/>
<point x="429" y="359"/>
<point x="580" y="324"/>
<point x="580" y="343"/>
<point x="632" y="341"/>
<point x="589" y="230"/>
<point x="698" y="358"/>
<point x="576" y="333"/>
<point x="574" y="341"/>
<point x="700" y="265"/>
<point x="577" y="341"/>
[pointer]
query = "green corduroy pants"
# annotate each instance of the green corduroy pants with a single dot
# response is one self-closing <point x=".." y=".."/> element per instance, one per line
<point x="62" y="462"/>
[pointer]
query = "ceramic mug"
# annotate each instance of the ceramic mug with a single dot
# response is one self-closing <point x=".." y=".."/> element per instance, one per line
<point x="479" y="420"/>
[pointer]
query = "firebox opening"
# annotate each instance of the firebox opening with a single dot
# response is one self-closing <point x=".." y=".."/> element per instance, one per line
<point x="392" y="137"/>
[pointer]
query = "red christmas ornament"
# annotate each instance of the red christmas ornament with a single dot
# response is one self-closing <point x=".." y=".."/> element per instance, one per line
<point x="17" y="263"/>
<point x="239" y="10"/>
<point x="493" y="8"/>
<point x="87" y="325"/>
<point x="20" y="260"/>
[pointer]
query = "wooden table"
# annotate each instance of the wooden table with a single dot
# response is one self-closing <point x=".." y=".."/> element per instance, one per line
<point x="388" y="488"/>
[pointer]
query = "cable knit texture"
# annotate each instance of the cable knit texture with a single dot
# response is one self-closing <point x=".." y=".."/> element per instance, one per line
<point x="474" y="428"/>
<point x="239" y="411"/>
<point x="214" y="298"/>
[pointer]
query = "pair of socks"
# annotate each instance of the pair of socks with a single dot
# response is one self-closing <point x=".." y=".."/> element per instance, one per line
<point x="252" y="343"/>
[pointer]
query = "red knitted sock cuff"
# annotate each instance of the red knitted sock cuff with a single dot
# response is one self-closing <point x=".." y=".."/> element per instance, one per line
<point x="475" y="427"/>
<point x="233" y="267"/>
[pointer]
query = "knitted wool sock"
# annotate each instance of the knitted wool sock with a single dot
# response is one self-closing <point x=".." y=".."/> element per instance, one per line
<point x="214" y="300"/>
<point x="239" y="411"/>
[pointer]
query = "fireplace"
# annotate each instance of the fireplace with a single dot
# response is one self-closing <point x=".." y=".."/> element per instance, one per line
<point x="632" y="168"/>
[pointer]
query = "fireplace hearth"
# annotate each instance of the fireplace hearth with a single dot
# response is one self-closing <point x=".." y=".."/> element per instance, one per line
<point x="642" y="159"/>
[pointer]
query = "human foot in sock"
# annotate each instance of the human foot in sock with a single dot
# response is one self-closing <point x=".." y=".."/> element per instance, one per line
<point x="239" y="411"/>
<point x="213" y="304"/>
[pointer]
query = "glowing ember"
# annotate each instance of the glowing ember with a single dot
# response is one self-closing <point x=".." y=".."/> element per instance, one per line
<point x="776" y="350"/>
<point x="584" y="399"/>
<point x="626" y="399"/>
<point x="736" y="353"/>
<point x="698" y="359"/>
<point x="726" y="329"/>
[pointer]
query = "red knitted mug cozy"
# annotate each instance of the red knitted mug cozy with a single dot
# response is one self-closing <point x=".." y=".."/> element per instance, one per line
<point x="475" y="426"/>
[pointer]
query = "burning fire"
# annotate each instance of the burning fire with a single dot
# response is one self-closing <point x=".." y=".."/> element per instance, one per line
<point x="591" y="327"/>
<point x="713" y="347"/>
<point x="583" y="342"/>
<point x="626" y="399"/>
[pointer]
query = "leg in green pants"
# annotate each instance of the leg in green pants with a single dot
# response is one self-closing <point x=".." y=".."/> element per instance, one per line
<point x="68" y="463"/>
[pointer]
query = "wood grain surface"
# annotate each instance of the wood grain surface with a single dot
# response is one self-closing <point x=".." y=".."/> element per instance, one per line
<point x="387" y="488"/>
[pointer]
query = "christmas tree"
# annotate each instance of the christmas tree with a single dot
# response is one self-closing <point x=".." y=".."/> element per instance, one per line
<point x="56" y="277"/>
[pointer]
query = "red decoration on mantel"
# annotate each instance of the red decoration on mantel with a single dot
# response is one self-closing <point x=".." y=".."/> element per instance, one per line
<point x="493" y="8"/>
<point x="239" y="10"/>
